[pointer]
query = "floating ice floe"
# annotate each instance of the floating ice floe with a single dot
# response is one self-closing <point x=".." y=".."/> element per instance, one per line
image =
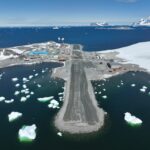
<point x="24" y="86"/>
<point x="2" y="98"/>
<point x="32" y="93"/>
<point x="28" y="96"/>
<point x="104" y="89"/>
<point x="118" y="86"/>
<point x="99" y="92"/>
<point x="59" y="134"/>
<point x="39" y="86"/>
<point x="36" y="74"/>
<point x="9" y="101"/>
<point x="104" y="97"/>
<point x="31" y="76"/>
<point x="14" y="79"/>
<point x="53" y="104"/>
<point x="132" y="120"/>
<point x="13" y="116"/>
<point x="133" y="85"/>
<point x="45" y="99"/>
<point x="23" y="99"/>
<point x="27" y="133"/>
<point x="143" y="89"/>
<point x="17" y="85"/>
<point x="61" y="93"/>
<point x="16" y="93"/>
<point x="25" y="80"/>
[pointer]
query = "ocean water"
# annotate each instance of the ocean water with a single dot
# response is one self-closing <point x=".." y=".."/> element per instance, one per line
<point x="90" y="37"/>
<point x="116" y="134"/>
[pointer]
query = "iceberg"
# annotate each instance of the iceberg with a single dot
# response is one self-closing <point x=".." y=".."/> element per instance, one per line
<point x="17" y="85"/>
<point x="27" y="133"/>
<point x="23" y="99"/>
<point x="31" y="76"/>
<point x="132" y="120"/>
<point x="133" y="85"/>
<point x="14" y="79"/>
<point x="13" y="116"/>
<point x="36" y="74"/>
<point x="25" y="80"/>
<point x="16" y="93"/>
<point x="45" y="99"/>
<point x="59" y="134"/>
<point x="2" y="98"/>
<point x="53" y="104"/>
<point x="104" y="97"/>
<point x="32" y="93"/>
<point x="39" y="86"/>
<point x="24" y="86"/>
<point x="9" y="101"/>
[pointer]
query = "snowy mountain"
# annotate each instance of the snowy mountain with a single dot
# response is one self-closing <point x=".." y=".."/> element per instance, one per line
<point x="101" y="24"/>
<point x="143" y="22"/>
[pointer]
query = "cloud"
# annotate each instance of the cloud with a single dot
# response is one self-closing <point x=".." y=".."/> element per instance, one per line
<point x="127" y="1"/>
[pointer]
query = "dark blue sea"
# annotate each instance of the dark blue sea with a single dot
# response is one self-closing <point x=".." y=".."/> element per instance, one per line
<point x="116" y="134"/>
<point x="90" y="37"/>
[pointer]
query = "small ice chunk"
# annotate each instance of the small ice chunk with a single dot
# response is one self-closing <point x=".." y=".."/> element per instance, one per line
<point x="143" y="90"/>
<point x="9" y="101"/>
<point x="104" y="89"/>
<point x="132" y="120"/>
<point x="25" y="80"/>
<point x="39" y="86"/>
<point x="23" y="99"/>
<point x="61" y="93"/>
<point x="14" y="115"/>
<point x="59" y="134"/>
<point x="2" y="98"/>
<point x="28" y="96"/>
<point x="14" y="79"/>
<point x="17" y="85"/>
<point x="36" y="74"/>
<point x="104" y="97"/>
<point x="144" y="87"/>
<point x="32" y="93"/>
<point x="133" y="85"/>
<point x="16" y="93"/>
<point x="27" y="133"/>
<point x="31" y="76"/>
<point x="45" y="99"/>
<point x="53" y="104"/>
<point x="99" y="92"/>
<point x="24" y="86"/>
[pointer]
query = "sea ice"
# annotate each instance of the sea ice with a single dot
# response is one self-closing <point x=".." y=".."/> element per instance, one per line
<point x="17" y="85"/>
<point x="24" y="86"/>
<point x="104" y="97"/>
<point x="9" y="101"/>
<point x="2" y="98"/>
<point x="45" y="99"/>
<point x="133" y="85"/>
<point x="59" y="134"/>
<point x="14" y="79"/>
<point x="132" y="119"/>
<point x="36" y="74"/>
<point x="32" y="93"/>
<point x="53" y="104"/>
<point x="14" y="115"/>
<point x="39" y="86"/>
<point x="23" y="99"/>
<point x="25" y="80"/>
<point x="16" y="93"/>
<point x="31" y="76"/>
<point x="27" y="133"/>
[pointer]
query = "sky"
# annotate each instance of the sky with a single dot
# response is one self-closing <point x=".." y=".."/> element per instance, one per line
<point x="71" y="12"/>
